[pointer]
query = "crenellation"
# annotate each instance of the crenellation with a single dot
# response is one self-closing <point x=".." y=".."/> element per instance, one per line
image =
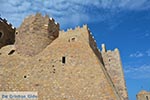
<point x="109" y="51"/>
<point x="92" y="37"/>
<point x="85" y="26"/>
<point x="52" y="19"/>
<point x="8" y="23"/>
<point x="62" y="31"/>
<point x="38" y="15"/>
<point x="13" y="27"/>
<point x="46" y="16"/>
<point x="4" y="20"/>
<point x="56" y="23"/>
<point x="103" y="48"/>
<point x="70" y="30"/>
<point x="94" y="40"/>
<point x="77" y="28"/>
<point x="116" y="49"/>
<point x="79" y="31"/>
<point x="91" y="33"/>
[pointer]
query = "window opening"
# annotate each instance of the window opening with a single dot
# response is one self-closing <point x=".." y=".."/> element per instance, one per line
<point x="11" y="52"/>
<point x="25" y="76"/>
<point x="63" y="60"/>
<point x="1" y="34"/>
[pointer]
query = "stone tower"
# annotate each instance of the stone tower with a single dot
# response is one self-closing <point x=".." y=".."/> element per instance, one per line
<point x="41" y="31"/>
<point x="143" y="95"/>
<point x="7" y="33"/>
<point x="113" y="65"/>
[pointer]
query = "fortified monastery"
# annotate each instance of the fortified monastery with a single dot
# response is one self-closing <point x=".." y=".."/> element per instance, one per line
<point x="58" y="65"/>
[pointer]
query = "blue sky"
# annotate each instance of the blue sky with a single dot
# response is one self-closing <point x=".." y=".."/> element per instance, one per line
<point x="117" y="23"/>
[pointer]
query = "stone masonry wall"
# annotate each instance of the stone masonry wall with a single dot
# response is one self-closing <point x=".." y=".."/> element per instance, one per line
<point x="112" y="63"/>
<point x="7" y="33"/>
<point x="41" y="31"/>
<point x="80" y="77"/>
<point x="69" y="67"/>
<point x="93" y="45"/>
<point x="84" y="33"/>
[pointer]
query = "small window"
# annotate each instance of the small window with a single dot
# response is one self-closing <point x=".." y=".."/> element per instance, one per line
<point x="1" y="34"/>
<point x="25" y="76"/>
<point x="73" y="39"/>
<point x="63" y="60"/>
<point x="11" y="52"/>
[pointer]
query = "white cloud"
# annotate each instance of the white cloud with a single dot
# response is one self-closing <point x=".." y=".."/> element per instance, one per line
<point x="148" y="52"/>
<point x="139" y="72"/>
<point x="147" y="35"/>
<point x="69" y="12"/>
<point x="137" y="54"/>
<point x="135" y="4"/>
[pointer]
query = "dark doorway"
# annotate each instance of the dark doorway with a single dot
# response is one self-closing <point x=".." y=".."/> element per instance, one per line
<point x="1" y="34"/>
<point x="63" y="60"/>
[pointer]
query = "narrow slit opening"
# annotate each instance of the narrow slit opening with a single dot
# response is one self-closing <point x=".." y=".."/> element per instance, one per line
<point x="11" y="52"/>
<point x="63" y="60"/>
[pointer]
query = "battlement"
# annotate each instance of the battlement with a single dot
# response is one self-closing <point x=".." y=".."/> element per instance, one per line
<point x="104" y="50"/>
<point x="80" y="33"/>
<point x="77" y="28"/>
<point x="7" y="23"/>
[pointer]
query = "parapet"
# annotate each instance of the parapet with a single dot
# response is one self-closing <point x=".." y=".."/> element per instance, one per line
<point x="104" y="50"/>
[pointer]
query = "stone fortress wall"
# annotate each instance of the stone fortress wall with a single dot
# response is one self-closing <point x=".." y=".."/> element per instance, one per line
<point x="46" y="53"/>
<point x="79" y="34"/>
<point x="113" y="65"/>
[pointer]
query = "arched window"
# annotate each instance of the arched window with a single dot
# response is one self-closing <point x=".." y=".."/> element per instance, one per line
<point x="1" y="34"/>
